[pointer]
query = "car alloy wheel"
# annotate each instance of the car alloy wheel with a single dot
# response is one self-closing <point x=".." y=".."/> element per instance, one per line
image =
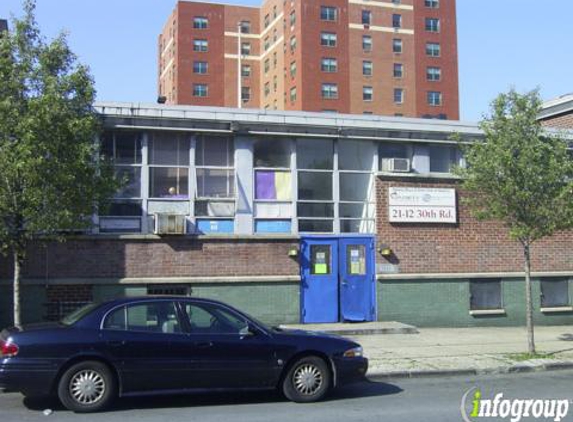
<point x="87" y="387"/>
<point x="307" y="380"/>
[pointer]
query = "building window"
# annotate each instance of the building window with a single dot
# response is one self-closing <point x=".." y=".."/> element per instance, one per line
<point x="246" y="48"/>
<point x="267" y="21"/>
<point x="245" y="27"/>
<point x="396" y="21"/>
<point x="328" y="13"/>
<point x="432" y="4"/>
<point x="214" y="160"/>
<point x="433" y="49"/>
<point x="328" y="39"/>
<point x="329" y="91"/>
<point x="293" y="94"/>
<point x="434" y="98"/>
<point x="396" y="1"/>
<point x="267" y="43"/>
<point x="366" y="17"/>
<point x="391" y="150"/>
<point x="245" y="93"/>
<point x="293" y="69"/>
<point x="433" y="73"/>
<point x="267" y="89"/>
<point x="315" y="206"/>
<point x="169" y="166"/>
<point x="200" y="22"/>
<point x="274" y="11"/>
<point x="443" y="158"/>
<point x="275" y="60"/>
<point x="272" y="175"/>
<point x="367" y="93"/>
<point x="367" y="68"/>
<point x="246" y="70"/>
<point x="398" y="95"/>
<point x="396" y="45"/>
<point x="398" y="70"/>
<point x="328" y="65"/>
<point x="200" y="67"/>
<point x="275" y="83"/>
<point x="200" y="90"/>
<point x="267" y="66"/>
<point x="200" y="45"/>
<point x="292" y="18"/>
<point x="292" y="44"/>
<point x="366" y="43"/>
<point x="555" y="293"/>
<point x="485" y="294"/>
<point x="432" y="25"/>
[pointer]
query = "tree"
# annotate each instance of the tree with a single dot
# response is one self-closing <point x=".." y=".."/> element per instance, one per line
<point x="522" y="176"/>
<point x="51" y="176"/>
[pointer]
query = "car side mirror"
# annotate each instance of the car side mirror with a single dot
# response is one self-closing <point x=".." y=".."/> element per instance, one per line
<point x="248" y="331"/>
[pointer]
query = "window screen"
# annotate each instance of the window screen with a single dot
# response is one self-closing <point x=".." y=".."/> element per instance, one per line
<point x="554" y="293"/>
<point x="485" y="294"/>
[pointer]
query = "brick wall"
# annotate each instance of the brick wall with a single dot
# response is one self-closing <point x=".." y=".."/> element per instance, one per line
<point x="167" y="257"/>
<point x="563" y="121"/>
<point x="469" y="246"/>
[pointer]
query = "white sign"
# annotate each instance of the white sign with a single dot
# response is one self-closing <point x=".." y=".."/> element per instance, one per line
<point x="422" y="205"/>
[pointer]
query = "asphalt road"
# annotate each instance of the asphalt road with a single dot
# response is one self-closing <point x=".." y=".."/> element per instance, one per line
<point x="420" y="399"/>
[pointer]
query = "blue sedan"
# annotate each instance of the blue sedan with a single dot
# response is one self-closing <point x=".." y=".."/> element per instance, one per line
<point x="164" y="344"/>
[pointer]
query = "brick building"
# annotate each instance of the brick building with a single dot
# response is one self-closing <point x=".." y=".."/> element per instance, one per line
<point x="3" y="25"/>
<point x="558" y="113"/>
<point x="294" y="217"/>
<point x="395" y="58"/>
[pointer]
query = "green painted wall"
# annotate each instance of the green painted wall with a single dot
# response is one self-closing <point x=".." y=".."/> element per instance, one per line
<point x="32" y="299"/>
<point x="445" y="303"/>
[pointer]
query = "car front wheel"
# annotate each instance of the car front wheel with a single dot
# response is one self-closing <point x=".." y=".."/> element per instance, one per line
<point x="87" y="387"/>
<point x="307" y="380"/>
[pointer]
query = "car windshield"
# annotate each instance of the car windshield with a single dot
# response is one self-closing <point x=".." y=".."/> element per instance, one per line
<point x="78" y="314"/>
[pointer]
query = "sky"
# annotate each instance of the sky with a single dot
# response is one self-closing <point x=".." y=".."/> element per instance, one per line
<point x="502" y="44"/>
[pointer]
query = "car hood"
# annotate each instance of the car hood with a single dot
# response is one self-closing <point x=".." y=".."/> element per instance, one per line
<point x="315" y="336"/>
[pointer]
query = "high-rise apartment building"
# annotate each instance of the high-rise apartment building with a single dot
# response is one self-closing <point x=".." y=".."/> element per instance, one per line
<point x="392" y="57"/>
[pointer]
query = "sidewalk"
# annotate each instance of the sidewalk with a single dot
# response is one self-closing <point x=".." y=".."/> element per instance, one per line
<point x="445" y="351"/>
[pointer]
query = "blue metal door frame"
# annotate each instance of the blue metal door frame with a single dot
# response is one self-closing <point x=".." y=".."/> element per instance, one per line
<point x="338" y="278"/>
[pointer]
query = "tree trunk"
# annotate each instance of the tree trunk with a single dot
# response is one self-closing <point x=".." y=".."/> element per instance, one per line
<point x="17" y="262"/>
<point x="528" y="299"/>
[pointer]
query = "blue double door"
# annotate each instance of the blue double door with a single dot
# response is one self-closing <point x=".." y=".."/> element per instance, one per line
<point x="338" y="279"/>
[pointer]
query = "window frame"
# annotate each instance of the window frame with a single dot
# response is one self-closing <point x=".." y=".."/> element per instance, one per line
<point x="200" y="45"/>
<point x="329" y="64"/>
<point x="199" y="69"/>
<point x="200" y="22"/>
<point x="197" y="90"/>
<point x="367" y="46"/>
<point x="330" y="89"/>
<point x="328" y="13"/>
<point x="328" y="39"/>
<point x="432" y="25"/>
<point x="433" y="49"/>
<point x="477" y="282"/>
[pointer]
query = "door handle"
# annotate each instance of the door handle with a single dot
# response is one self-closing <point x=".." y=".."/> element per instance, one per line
<point x="204" y="345"/>
<point x="117" y="343"/>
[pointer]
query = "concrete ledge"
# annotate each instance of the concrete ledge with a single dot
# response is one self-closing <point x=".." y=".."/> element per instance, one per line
<point x="446" y="276"/>
<point x="479" y="312"/>
<point x="557" y="309"/>
<point x="511" y="369"/>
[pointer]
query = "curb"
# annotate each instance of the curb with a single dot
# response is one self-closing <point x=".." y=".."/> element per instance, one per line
<point x="366" y="332"/>
<point x="513" y="369"/>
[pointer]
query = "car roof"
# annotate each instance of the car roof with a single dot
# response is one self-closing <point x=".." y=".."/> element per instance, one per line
<point x="147" y="298"/>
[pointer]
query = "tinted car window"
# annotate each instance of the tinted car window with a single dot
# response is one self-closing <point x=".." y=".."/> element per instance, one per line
<point x="78" y="314"/>
<point x="206" y="318"/>
<point x="158" y="317"/>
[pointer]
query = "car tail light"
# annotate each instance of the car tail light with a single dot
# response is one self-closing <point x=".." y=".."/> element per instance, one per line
<point x="8" y="349"/>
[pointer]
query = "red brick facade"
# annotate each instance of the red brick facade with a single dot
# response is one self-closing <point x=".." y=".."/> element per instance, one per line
<point x="563" y="121"/>
<point x="470" y="246"/>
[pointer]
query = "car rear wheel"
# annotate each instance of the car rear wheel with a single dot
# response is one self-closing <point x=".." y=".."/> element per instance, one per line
<point x="87" y="387"/>
<point x="307" y="380"/>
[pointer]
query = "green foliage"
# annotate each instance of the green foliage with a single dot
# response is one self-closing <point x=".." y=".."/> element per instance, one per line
<point x="50" y="174"/>
<point x="521" y="174"/>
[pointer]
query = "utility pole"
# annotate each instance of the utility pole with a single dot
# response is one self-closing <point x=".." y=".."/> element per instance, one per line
<point x="239" y="87"/>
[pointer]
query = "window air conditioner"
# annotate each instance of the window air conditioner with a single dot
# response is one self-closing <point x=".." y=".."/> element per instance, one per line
<point x="399" y="165"/>
<point x="169" y="223"/>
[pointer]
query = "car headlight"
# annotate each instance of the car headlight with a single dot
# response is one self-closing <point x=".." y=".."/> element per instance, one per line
<point x="355" y="352"/>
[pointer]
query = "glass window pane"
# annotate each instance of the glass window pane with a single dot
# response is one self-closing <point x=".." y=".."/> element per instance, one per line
<point x="355" y="155"/>
<point x="159" y="317"/>
<point x="214" y="208"/>
<point x="272" y="153"/>
<point x="555" y="293"/>
<point x="215" y="183"/>
<point x="215" y="151"/>
<point x="130" y="179"/>
<point x="322" y="226"/>
<point x="315" y="186"/>
<point x="127" y="148"/>
<point x="393" y="150"/>
<point x="320" y="260"/>
<point x="306" y="209"/>
<point x="315" y="154"/>
<point x="211" y="319"/>
<point x="353" y="210"/>
<point x="354" y="187"/>
<point x="356" y="260"/>
<point x="168" y="182"/>
<point x="442" y="158"/>
<point x="169" y="149"/>
<point x="273" y="185"/>
<point x="123" y="209"/>
<point x="357" y="226"/>
<point x="485" y="294"/>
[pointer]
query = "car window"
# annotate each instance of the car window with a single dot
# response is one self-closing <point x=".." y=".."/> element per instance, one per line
<point x="212" y="319"/>
<point x="158" y="317"/>
<point x="78" y="314"/>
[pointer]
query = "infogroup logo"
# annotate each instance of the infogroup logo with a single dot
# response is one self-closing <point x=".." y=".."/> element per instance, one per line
<point x="513" y="409"/>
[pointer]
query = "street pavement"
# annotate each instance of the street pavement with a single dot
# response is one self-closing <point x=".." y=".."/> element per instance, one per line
<point x="434" y="351"/>
<point x="436" y="399"/>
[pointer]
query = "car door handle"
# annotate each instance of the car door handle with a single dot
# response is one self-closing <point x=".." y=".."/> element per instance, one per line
<point x="117" y="343"/>
<point x="204" y="345"/>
